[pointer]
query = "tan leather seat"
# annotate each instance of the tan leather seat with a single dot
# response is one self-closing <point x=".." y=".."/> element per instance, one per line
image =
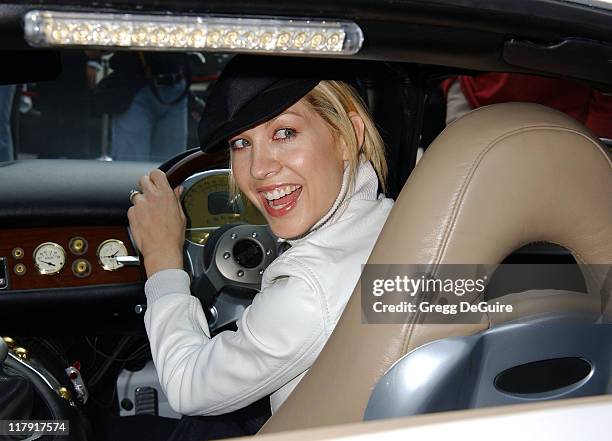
<point x="496" y="179"/>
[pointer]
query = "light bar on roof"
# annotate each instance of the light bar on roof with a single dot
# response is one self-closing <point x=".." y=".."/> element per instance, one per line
<point x="171" y="32"/>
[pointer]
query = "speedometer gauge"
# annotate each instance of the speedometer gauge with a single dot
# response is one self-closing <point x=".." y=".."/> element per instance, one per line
<point x="208" y="205"/>
<point x="49" y="258"/>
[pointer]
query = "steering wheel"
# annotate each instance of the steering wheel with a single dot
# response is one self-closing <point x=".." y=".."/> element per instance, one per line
<point x="226" y="271"/>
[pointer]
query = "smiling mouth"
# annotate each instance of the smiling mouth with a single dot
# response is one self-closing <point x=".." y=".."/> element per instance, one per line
<point x="281" y="200"/>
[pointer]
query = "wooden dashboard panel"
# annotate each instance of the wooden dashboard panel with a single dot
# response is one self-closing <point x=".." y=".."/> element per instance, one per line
<point x="29" y="238"/>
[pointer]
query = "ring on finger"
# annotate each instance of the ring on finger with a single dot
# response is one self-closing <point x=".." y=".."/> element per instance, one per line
<point x="133" y="193"/>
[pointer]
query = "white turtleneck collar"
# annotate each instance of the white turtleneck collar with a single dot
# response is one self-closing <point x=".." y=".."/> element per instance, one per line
<point x="363" y="187"/>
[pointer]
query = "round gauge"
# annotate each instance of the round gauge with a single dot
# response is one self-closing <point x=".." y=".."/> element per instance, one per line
<point x="49" y="258"/>
<point x="208" y="205"/>
<point x="108" y="251"/>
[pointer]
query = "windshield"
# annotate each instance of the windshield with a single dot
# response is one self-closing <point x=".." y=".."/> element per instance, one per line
<point x="146" y="106"/>
<point x="120" y="106"/>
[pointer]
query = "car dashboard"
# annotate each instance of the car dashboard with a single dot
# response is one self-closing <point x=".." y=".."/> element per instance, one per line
<point x="63" y="222"/>
<point x="58" y="221"/>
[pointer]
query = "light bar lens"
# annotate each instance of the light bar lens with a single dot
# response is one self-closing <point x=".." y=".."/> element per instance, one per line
<point x="214" y="33"/>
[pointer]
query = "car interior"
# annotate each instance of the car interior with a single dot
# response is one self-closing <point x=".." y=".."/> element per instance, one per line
<point x="505" y="187"/>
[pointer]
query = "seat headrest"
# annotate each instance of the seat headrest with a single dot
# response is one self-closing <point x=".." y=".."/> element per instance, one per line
<point x="501" y="177"/>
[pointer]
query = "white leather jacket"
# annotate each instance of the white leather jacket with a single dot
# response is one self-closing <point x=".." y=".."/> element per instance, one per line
<point x="279" y="336"/>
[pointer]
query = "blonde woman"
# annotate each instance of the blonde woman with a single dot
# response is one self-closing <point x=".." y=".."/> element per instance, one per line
<point x="306" y="152"/>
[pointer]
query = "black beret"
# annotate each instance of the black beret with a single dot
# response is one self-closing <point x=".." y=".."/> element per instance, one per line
<point x="253" y="89"/>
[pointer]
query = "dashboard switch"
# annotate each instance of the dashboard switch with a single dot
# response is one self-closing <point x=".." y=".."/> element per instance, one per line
<point x="3" y="273"/>
<point x="20" y="269"/>
<point x="17" y="253"/>
<point x="81" y="268"/>
<point x="78" y="245"/>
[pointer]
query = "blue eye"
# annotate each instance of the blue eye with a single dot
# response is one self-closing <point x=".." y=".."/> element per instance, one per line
<point x="240" y="143"/>
<point x="284" y="134"/>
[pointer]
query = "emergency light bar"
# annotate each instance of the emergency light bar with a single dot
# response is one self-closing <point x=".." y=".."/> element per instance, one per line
<point x="201" y="33"/>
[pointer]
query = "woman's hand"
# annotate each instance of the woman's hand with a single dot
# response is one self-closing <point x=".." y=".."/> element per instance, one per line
<point x="158" y="223"/>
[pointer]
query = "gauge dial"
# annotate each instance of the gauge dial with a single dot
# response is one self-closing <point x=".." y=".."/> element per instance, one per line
<point x="49" y="258"/>
<point x="108" y="251"/>
<point x="208" y="206"/>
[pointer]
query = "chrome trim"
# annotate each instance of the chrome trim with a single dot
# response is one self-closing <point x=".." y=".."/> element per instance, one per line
<point x="41" y="372"/>
<point x="214" y="315"/>
<point x="190" y="182"/>
<point x="102" y="264"/>
<point x="47" y="272"/>
<point x="128" y="260"/>
<point x="193" y="179"/>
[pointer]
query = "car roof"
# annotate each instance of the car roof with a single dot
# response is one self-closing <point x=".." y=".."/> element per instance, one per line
<point x="558" y="38"/>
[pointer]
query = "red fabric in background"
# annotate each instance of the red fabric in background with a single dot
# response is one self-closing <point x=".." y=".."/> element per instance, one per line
<point x="590" y="107"/>
<point x="599" y="118"/>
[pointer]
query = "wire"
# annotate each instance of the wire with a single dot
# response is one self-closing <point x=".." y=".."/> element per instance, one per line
<point x="109" y="357"/>
<point x="109" y="360"/>
<point x="106" y="404"/>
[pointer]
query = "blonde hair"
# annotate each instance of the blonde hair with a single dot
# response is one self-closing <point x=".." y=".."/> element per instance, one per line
<point x="333" y="101"/>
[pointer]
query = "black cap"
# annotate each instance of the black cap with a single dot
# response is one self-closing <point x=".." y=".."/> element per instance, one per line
<point x="253" y="89"/>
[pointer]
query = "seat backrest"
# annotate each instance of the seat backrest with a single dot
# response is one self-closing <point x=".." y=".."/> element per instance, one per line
<point x="496" y="179"/>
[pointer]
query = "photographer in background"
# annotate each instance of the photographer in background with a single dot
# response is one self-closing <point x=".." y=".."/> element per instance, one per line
<point x="146" y="96"/>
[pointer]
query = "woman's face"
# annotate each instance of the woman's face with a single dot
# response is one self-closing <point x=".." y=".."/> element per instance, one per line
<point x="291" y="168"/>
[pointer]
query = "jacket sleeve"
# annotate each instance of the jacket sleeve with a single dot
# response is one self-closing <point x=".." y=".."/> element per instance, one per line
<point x="279" y="336"/>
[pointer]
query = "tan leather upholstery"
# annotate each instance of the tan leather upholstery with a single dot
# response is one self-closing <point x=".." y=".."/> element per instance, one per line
<point x="496" y="179"/>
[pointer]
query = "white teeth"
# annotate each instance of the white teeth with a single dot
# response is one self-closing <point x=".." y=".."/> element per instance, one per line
<point x="280" y="192"/>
